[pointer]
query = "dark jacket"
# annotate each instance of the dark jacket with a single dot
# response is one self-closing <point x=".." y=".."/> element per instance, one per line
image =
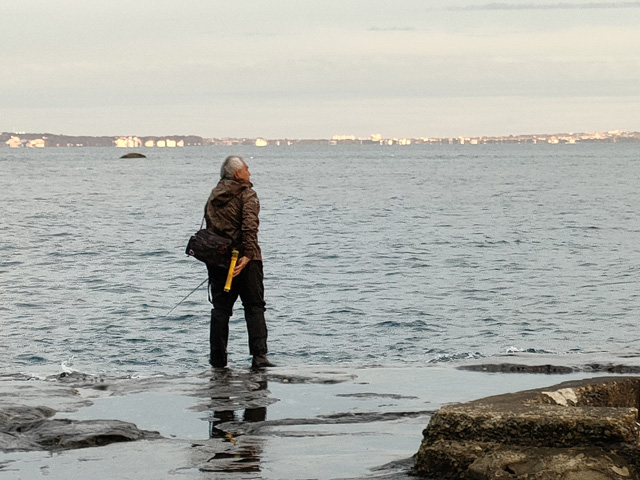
<point x="232" y="211"/>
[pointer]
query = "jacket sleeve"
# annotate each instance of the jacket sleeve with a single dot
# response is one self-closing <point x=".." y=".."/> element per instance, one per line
<point x="250" y="225"/>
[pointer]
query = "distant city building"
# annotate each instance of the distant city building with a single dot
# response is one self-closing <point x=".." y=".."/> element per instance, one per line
<point x="342" y="138"/>
<point x="128" y="142"/>
<point x="39" y="140"/>
<point x="14" y="142"/>
<point x="36" y="143"/>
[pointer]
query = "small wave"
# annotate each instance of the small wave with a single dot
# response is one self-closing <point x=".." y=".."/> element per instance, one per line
<point x="10" y="264"/>
<point x="488" y="244"/>
<point x="352" y="311"/>
<point x="155" y="253"/>
<point x="452" y="357"/>
<point x="539" y="351"/>
<point x="33" y="359"/>
<point x="579" y="227"/>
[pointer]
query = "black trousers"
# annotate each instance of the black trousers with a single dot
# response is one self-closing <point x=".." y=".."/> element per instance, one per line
<point x="249" y="286"/>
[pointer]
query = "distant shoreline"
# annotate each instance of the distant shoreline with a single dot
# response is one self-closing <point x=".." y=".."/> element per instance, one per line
<point x="47" y="140"/>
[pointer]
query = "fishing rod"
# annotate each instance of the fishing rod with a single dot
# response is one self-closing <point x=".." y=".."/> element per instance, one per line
<point x="227" y="286"/>
<point x="189" y="294"/>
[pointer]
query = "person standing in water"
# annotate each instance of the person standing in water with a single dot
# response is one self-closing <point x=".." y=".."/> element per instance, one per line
<point x="232" y="211"/>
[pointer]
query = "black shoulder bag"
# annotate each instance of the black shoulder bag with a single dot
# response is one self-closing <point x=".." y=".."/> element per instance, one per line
<point x="209" y="247"/>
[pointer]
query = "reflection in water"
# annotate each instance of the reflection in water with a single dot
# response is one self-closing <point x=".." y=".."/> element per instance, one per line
<point x="250" y="415"/>
<point x="243" y="455"/>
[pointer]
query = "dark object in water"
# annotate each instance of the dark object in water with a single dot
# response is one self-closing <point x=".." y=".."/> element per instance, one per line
<point x="133" y="155"/>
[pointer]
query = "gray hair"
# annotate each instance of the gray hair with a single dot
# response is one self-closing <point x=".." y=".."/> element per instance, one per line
<point x="230" y="166"/>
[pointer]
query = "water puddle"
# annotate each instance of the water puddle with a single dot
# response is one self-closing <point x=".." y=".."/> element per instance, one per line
<point x="169" y="414"/>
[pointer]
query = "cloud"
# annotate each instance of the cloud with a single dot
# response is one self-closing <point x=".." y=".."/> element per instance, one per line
<point x="551" y="6"/>
<point x="392" y="29"/>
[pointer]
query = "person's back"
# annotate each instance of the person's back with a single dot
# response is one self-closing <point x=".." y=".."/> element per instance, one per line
<point x="232" y="210"/>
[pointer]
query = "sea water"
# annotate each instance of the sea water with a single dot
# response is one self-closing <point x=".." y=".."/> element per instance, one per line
<point x="372" y="255"/>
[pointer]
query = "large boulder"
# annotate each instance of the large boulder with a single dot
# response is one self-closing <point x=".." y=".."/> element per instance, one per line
<point x="581" y="430"/>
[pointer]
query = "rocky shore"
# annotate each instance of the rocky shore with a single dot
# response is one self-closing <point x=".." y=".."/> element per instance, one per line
<point x="284" y="423"/>
<point x="579" y="430"/>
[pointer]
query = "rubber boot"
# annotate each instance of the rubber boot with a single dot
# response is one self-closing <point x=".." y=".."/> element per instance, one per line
<point x="257" y="330"/>
<point x="261" y="361"/>
<point x="218" y="339"/>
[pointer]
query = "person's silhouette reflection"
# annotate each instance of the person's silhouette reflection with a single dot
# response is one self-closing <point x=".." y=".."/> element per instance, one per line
<point x="248" y="415"/>
<point x="244" y="455"/>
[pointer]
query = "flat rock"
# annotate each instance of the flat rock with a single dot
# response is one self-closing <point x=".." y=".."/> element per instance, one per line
<point x="25" y="428"/>
<point x="525" y="362"/>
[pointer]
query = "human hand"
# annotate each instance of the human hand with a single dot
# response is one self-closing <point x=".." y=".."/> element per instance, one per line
<point x="240" y="264"/>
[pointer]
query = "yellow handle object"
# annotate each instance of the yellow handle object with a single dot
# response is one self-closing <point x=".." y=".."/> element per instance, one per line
<point x="232" y="266"/>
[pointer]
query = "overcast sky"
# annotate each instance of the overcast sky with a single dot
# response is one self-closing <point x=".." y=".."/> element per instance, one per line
<point x="313" y="69"/>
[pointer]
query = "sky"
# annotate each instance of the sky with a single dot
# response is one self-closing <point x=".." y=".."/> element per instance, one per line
<point x="318" y="68"/>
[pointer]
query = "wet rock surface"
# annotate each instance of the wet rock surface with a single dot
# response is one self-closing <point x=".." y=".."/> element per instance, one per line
<point x="30" y="428"/>
<point x="216" y="424"/>
<point x="523" y="362"/>
<point x="585" y="429"/>
<point x="283" y="423"/>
